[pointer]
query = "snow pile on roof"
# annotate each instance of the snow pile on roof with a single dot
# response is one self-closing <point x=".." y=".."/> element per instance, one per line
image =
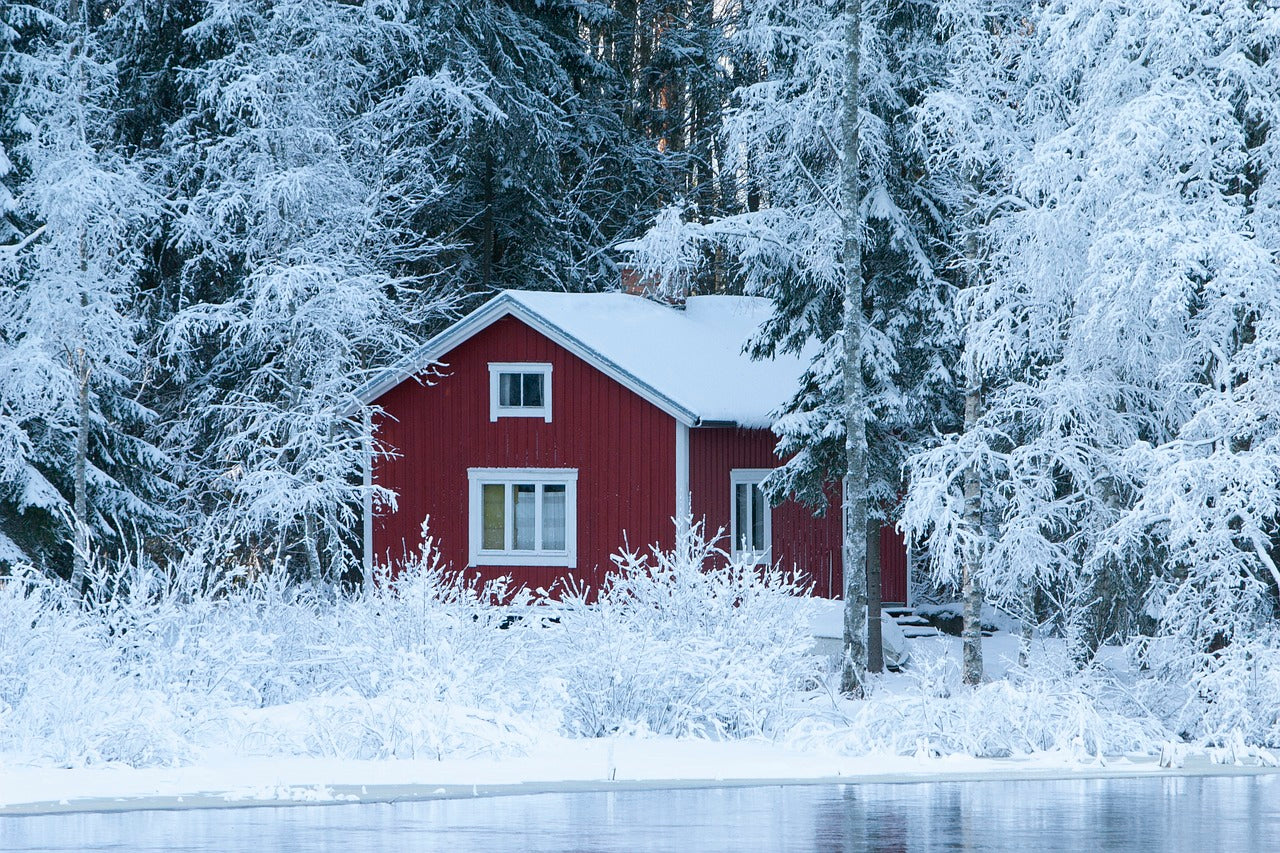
<point x="693" y="357"/>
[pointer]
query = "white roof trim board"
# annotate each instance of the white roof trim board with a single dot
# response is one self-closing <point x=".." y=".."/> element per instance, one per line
<point x="689" y="363"/>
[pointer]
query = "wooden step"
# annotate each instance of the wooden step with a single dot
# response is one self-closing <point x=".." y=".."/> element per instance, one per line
<point x="918" y="633"/>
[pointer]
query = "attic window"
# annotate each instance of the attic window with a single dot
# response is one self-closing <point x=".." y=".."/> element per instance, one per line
<point x="520" y="390"/>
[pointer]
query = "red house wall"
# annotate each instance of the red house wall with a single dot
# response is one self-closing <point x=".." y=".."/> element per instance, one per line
<point x="893" y="565"/>
<point x="622" y="445"/>
<point x="623" y="448"/>
<point x="800" y="540"/>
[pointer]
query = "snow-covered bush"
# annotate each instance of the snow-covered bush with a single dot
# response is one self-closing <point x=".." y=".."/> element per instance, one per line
<point x="1086" y="713"/>
<point x="685" y="642"/>
<point x="415" y="665"/>
<point x="425" y="664"/>
<point x="157" y="665"/>
<point x="1216" y="697"/>
<point x="64" y="698"/>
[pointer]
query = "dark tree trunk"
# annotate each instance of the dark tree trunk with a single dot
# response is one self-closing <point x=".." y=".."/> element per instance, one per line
<point x="80" y="559"/>
<point x="488" y="238"/>
<point x="875" y="642"/>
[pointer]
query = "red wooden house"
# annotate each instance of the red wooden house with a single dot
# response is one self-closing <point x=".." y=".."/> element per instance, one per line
<point x="544" y="431"/>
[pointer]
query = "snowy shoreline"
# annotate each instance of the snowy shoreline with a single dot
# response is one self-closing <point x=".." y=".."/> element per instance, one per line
<point x="419" y="691"/>
<point x="582" y="766"/>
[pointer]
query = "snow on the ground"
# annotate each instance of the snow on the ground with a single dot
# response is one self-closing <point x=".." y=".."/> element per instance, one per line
<point x="420" y="687"/>
<point x="232" y="775"/>
<point x="554" y="763"/>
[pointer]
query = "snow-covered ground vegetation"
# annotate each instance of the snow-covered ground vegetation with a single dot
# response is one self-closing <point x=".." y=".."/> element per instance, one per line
<point x="678" y="650"/>
<point x="166" y="666"/>
<point x="1047" y="707"/>
<point x="166" y="669"/>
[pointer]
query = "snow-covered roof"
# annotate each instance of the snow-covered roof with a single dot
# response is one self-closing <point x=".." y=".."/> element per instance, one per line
<point x="688" y="362"/>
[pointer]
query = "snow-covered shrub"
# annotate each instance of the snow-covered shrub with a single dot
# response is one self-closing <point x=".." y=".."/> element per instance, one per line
<point x="82" y="713"/>
<point x="400" y="722"/>
<point x="414" y="665"/>
<point x="31" y="630"/>
<point x="64" y="698"/>
<point x="155" y="665"/>
<point x="1054" y="708"/>
<point x="1214" y="697"/>
<point x="682" y="643"/>
<point x="243" y="639"/>
<point x="425" y="664"/>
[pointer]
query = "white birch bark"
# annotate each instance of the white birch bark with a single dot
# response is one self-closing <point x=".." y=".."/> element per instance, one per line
<point x="853" y="671"/>
<point x="971" y="589"/>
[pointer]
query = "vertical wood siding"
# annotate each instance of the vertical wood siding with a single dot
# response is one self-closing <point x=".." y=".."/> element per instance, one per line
<point x="802" y="541"/>
<point x="622" y="446"/>
<point x="893" y="566"/>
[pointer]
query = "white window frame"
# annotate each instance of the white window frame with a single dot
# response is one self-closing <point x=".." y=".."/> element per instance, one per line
<point x="751" y="476"/>
<point x="496" y="410"/>
<point x="479" y="477"/>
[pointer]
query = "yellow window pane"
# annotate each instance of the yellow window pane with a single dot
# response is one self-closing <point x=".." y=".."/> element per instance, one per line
<point x="493" y="532"/>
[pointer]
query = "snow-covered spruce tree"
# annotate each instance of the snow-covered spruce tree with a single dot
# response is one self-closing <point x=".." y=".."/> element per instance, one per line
<point x="75" y="473"/>
<point x="294" y="276"/>
<point x="808" y="239"/>
<point x="146" y="38"/>
<point x="9" y="232"/>
<point x="540" y="189"/>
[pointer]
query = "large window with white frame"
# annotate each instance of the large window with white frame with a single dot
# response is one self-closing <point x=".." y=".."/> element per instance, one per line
<point x="750" y="522"/>
<point x="523" y="516"/>
<point x="520" y="390"/>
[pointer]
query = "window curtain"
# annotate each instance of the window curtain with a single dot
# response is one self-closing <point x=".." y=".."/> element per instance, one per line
<point x="553" y="518"/>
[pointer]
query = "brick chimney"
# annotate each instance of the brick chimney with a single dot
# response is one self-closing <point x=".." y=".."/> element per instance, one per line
<point x="650" y="286"/>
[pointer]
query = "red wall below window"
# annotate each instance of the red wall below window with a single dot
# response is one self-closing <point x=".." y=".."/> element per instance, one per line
<point x="622" y="446"/>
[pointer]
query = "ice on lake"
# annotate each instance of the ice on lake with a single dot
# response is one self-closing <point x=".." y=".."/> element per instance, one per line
<point x="1241" y="814"/>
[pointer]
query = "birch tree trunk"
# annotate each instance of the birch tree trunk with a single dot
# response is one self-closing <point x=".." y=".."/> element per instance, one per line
<point x="853" y="671"/>
<point x="972" y="591"/>
<point x="310" y="547"/>
<point x="78" y="359"/>
<point x="80" y="557"/>
<point x="1028" y="618"/>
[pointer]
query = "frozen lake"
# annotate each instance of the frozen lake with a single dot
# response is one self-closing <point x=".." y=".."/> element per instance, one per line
<point x="1240" y="814"/>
